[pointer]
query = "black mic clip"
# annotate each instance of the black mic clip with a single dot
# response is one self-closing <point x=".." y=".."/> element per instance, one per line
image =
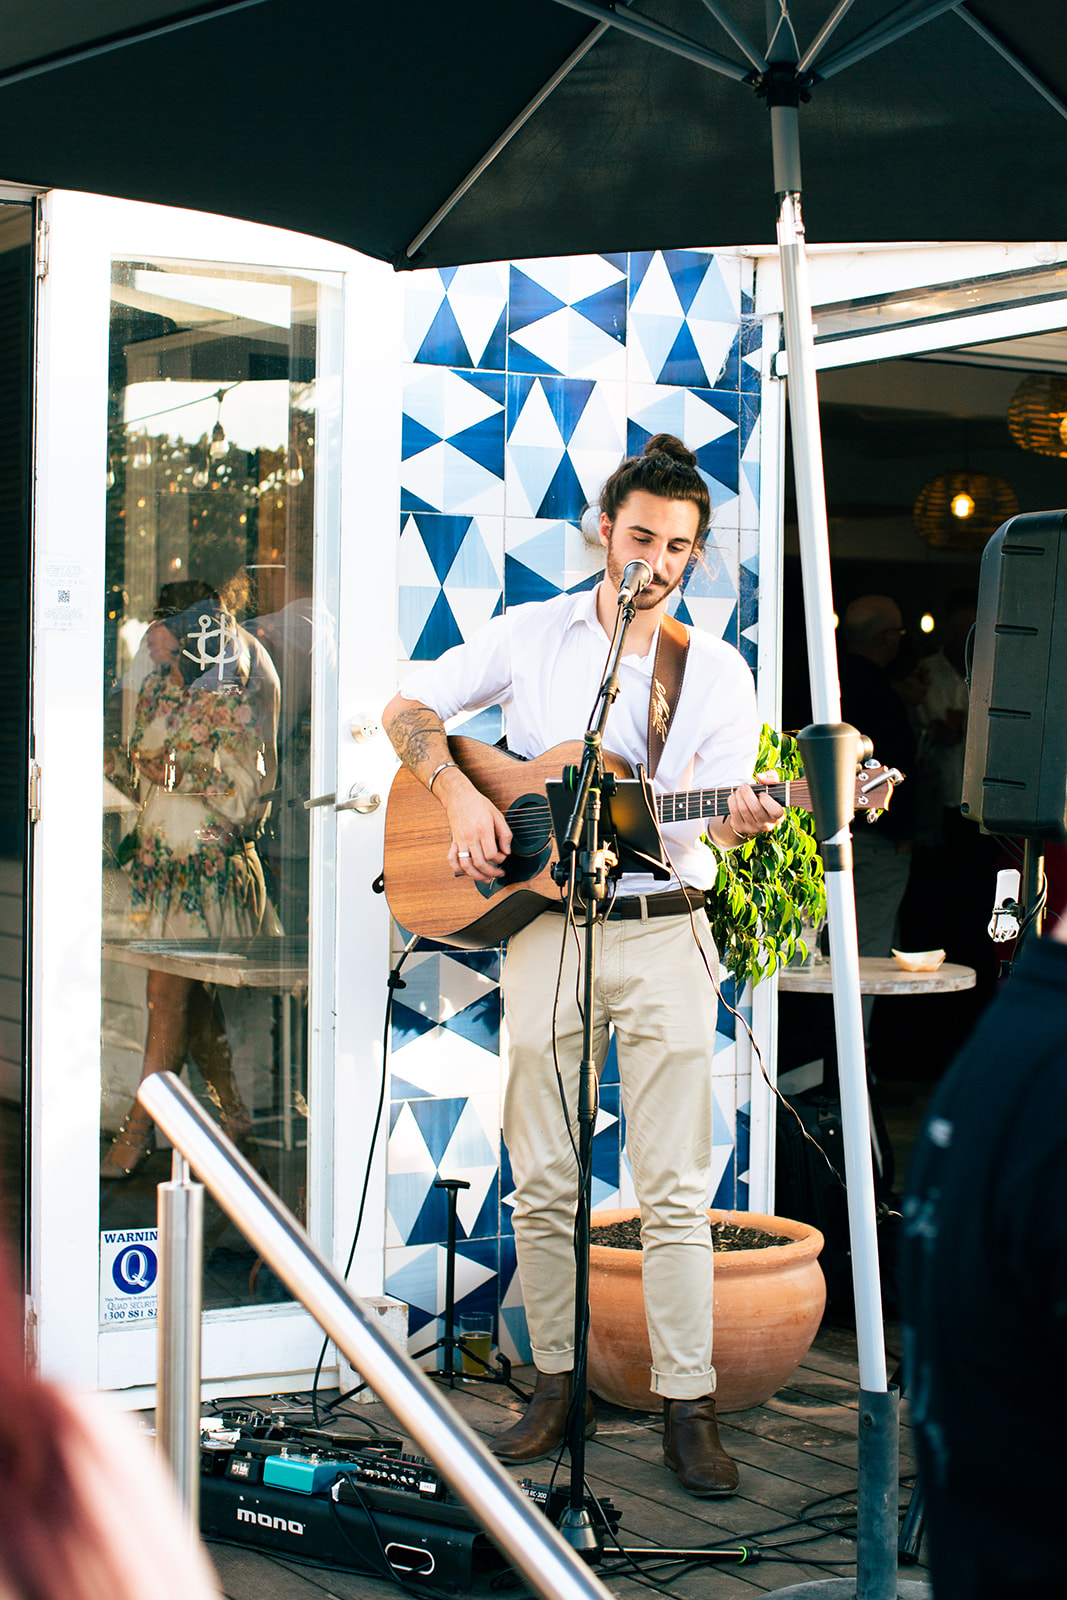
<point x="636" y="575"/>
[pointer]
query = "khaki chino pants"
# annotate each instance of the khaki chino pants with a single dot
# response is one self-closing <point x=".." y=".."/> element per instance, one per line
<point x="651" y="983"/>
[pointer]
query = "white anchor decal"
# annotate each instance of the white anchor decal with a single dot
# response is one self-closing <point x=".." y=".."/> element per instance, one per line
<point x="226" y="633"/>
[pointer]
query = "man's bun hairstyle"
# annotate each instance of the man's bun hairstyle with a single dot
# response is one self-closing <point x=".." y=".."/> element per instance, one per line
<point x="665" y="467"/>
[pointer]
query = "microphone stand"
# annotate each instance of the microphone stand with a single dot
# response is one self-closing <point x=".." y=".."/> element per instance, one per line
<point x="596" y="864"/>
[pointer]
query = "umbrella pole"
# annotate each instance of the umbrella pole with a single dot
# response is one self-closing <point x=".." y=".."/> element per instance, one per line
<point x="878" y="1452"/>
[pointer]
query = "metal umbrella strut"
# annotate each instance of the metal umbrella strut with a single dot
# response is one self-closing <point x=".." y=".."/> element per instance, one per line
<point x="593" y="126"/>
<point x="878" y="1439"/>
<point x="784" y="85"/>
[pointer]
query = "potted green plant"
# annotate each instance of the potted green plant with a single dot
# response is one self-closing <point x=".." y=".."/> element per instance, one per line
<point x="769" y="888"/>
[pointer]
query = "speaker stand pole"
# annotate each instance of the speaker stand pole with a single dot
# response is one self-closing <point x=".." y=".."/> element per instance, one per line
<point x="1033" y="887"/>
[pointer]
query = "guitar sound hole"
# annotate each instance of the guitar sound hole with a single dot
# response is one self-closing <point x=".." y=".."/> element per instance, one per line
<point x="530" y="822"/>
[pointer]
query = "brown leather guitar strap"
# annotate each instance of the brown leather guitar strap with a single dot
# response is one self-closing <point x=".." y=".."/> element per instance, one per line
<point x="667" y="673"/>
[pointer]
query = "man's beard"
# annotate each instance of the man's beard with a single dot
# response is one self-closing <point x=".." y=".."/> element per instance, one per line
<point x="652" y="594"/>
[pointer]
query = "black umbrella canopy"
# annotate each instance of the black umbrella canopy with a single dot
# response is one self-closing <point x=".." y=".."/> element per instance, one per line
<point x="356" y="121"/>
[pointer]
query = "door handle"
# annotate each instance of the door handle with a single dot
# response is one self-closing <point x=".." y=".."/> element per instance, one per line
<point x="361" y="799"/>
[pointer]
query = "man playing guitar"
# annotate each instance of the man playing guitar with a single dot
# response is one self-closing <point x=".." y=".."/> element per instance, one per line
<point x="542" y="664"/>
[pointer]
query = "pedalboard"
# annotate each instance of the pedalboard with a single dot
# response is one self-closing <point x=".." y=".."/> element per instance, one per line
<point x="316" y="1529"/>
<point x="366" y="1506"/>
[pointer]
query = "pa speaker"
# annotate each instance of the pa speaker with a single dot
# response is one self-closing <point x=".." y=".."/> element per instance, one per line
<point x="1015" y="766"/>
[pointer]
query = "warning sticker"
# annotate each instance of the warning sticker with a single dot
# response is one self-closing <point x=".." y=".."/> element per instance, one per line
<point x="129" y="1267"/>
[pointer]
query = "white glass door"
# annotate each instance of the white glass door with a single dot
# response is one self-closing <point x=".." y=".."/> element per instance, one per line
<point x="189" y="666"/>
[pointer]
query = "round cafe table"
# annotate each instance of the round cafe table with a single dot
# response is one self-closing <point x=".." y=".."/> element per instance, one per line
<point x="879" y="975"/>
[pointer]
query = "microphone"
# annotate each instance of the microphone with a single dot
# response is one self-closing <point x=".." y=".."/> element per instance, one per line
<point x="636" y="575"/>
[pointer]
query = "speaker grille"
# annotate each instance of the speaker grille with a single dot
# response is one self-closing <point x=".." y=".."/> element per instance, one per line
<point x="1015" y="772"/>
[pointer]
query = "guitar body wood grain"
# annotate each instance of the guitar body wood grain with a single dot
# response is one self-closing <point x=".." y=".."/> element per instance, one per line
<point x="423" y="893"/>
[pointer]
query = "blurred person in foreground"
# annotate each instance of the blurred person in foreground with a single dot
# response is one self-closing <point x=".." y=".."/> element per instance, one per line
<point x="984" y="1281"/>
<point x="86" y="1510"/>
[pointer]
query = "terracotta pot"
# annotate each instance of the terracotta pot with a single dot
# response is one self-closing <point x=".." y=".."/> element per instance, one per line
<point x="768" y="1306"/>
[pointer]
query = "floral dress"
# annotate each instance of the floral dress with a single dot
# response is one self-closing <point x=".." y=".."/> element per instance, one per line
<point x="195" y="873"/>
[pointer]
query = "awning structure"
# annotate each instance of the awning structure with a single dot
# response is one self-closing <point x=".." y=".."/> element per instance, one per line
<point x="356" y="120"/>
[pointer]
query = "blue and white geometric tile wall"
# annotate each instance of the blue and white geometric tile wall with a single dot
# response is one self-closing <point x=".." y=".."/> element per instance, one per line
<point x="524" y="385"/>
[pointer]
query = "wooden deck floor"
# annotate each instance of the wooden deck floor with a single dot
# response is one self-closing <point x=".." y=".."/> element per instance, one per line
<point x="794" y="1453"/>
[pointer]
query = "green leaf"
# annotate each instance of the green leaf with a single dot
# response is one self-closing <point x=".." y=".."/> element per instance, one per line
<point x="764" y="888"/>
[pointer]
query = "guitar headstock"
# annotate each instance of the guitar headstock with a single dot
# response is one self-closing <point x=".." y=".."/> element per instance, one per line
<point x="874" y="787"/>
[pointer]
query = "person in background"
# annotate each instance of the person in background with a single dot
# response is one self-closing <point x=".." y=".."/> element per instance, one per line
<point x="984" y="1286"/>
<point x="963" y="870"/>
<point x="954" y="864"/>
<point x="910" y="677"/>
<point x="202" y="758"/>
<point x="86" y="1510"/>
<point x="871" y="633"/>
<point x="909" y="673"/>
<point x="947" y="701"/>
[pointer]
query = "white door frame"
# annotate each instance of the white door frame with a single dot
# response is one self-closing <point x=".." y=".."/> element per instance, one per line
<point x="246" y="1348"/>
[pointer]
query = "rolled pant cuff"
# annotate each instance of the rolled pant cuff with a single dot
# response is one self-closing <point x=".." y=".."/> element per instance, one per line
<point x="553" y="1360"/>
<point x="672" y="1386"/>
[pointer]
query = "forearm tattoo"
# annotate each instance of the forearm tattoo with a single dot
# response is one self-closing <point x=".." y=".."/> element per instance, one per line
<point x="418" y="737"/>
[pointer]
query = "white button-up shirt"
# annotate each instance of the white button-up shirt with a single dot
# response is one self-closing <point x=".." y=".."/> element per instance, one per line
<point x="542" y="664"/>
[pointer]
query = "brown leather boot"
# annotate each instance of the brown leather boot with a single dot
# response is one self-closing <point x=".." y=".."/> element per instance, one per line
<point x="692" y="1448"/>
<point x="543" y="1426"/>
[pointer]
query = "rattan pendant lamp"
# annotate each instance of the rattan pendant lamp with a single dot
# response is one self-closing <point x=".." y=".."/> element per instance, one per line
<point x="1037" y="414"/>
<point x="961" y="510"/>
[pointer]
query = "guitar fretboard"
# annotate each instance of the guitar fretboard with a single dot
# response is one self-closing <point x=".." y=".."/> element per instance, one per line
<point x="687" y="805"/>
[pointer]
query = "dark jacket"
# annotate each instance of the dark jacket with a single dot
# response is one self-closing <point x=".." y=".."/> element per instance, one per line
<point x="984" y="1290"/>
<point x="871" y="704"/>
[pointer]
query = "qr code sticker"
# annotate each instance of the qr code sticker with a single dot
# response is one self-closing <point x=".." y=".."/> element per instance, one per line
<point x="63" y="597"/>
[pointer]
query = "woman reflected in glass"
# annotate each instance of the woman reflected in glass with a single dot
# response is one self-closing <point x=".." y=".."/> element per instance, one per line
<point x="203" y="754"/>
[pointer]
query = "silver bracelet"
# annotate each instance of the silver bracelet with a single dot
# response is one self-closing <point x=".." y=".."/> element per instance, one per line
<point x="436" y="773"/>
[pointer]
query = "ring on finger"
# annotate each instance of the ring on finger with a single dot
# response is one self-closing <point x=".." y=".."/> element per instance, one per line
<point x="464" y="855"/>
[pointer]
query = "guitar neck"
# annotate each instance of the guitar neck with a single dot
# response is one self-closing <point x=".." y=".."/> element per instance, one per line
<point x="688" y="805"/>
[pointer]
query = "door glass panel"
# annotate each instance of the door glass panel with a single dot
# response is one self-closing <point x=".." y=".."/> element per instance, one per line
<point x="223" y="394"/>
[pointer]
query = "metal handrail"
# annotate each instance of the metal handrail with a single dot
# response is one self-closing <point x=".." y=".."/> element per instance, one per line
<point x="530" y="1541"/>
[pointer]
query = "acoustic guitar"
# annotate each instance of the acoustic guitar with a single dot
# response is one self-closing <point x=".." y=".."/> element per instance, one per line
<point x="427" y="898"/>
